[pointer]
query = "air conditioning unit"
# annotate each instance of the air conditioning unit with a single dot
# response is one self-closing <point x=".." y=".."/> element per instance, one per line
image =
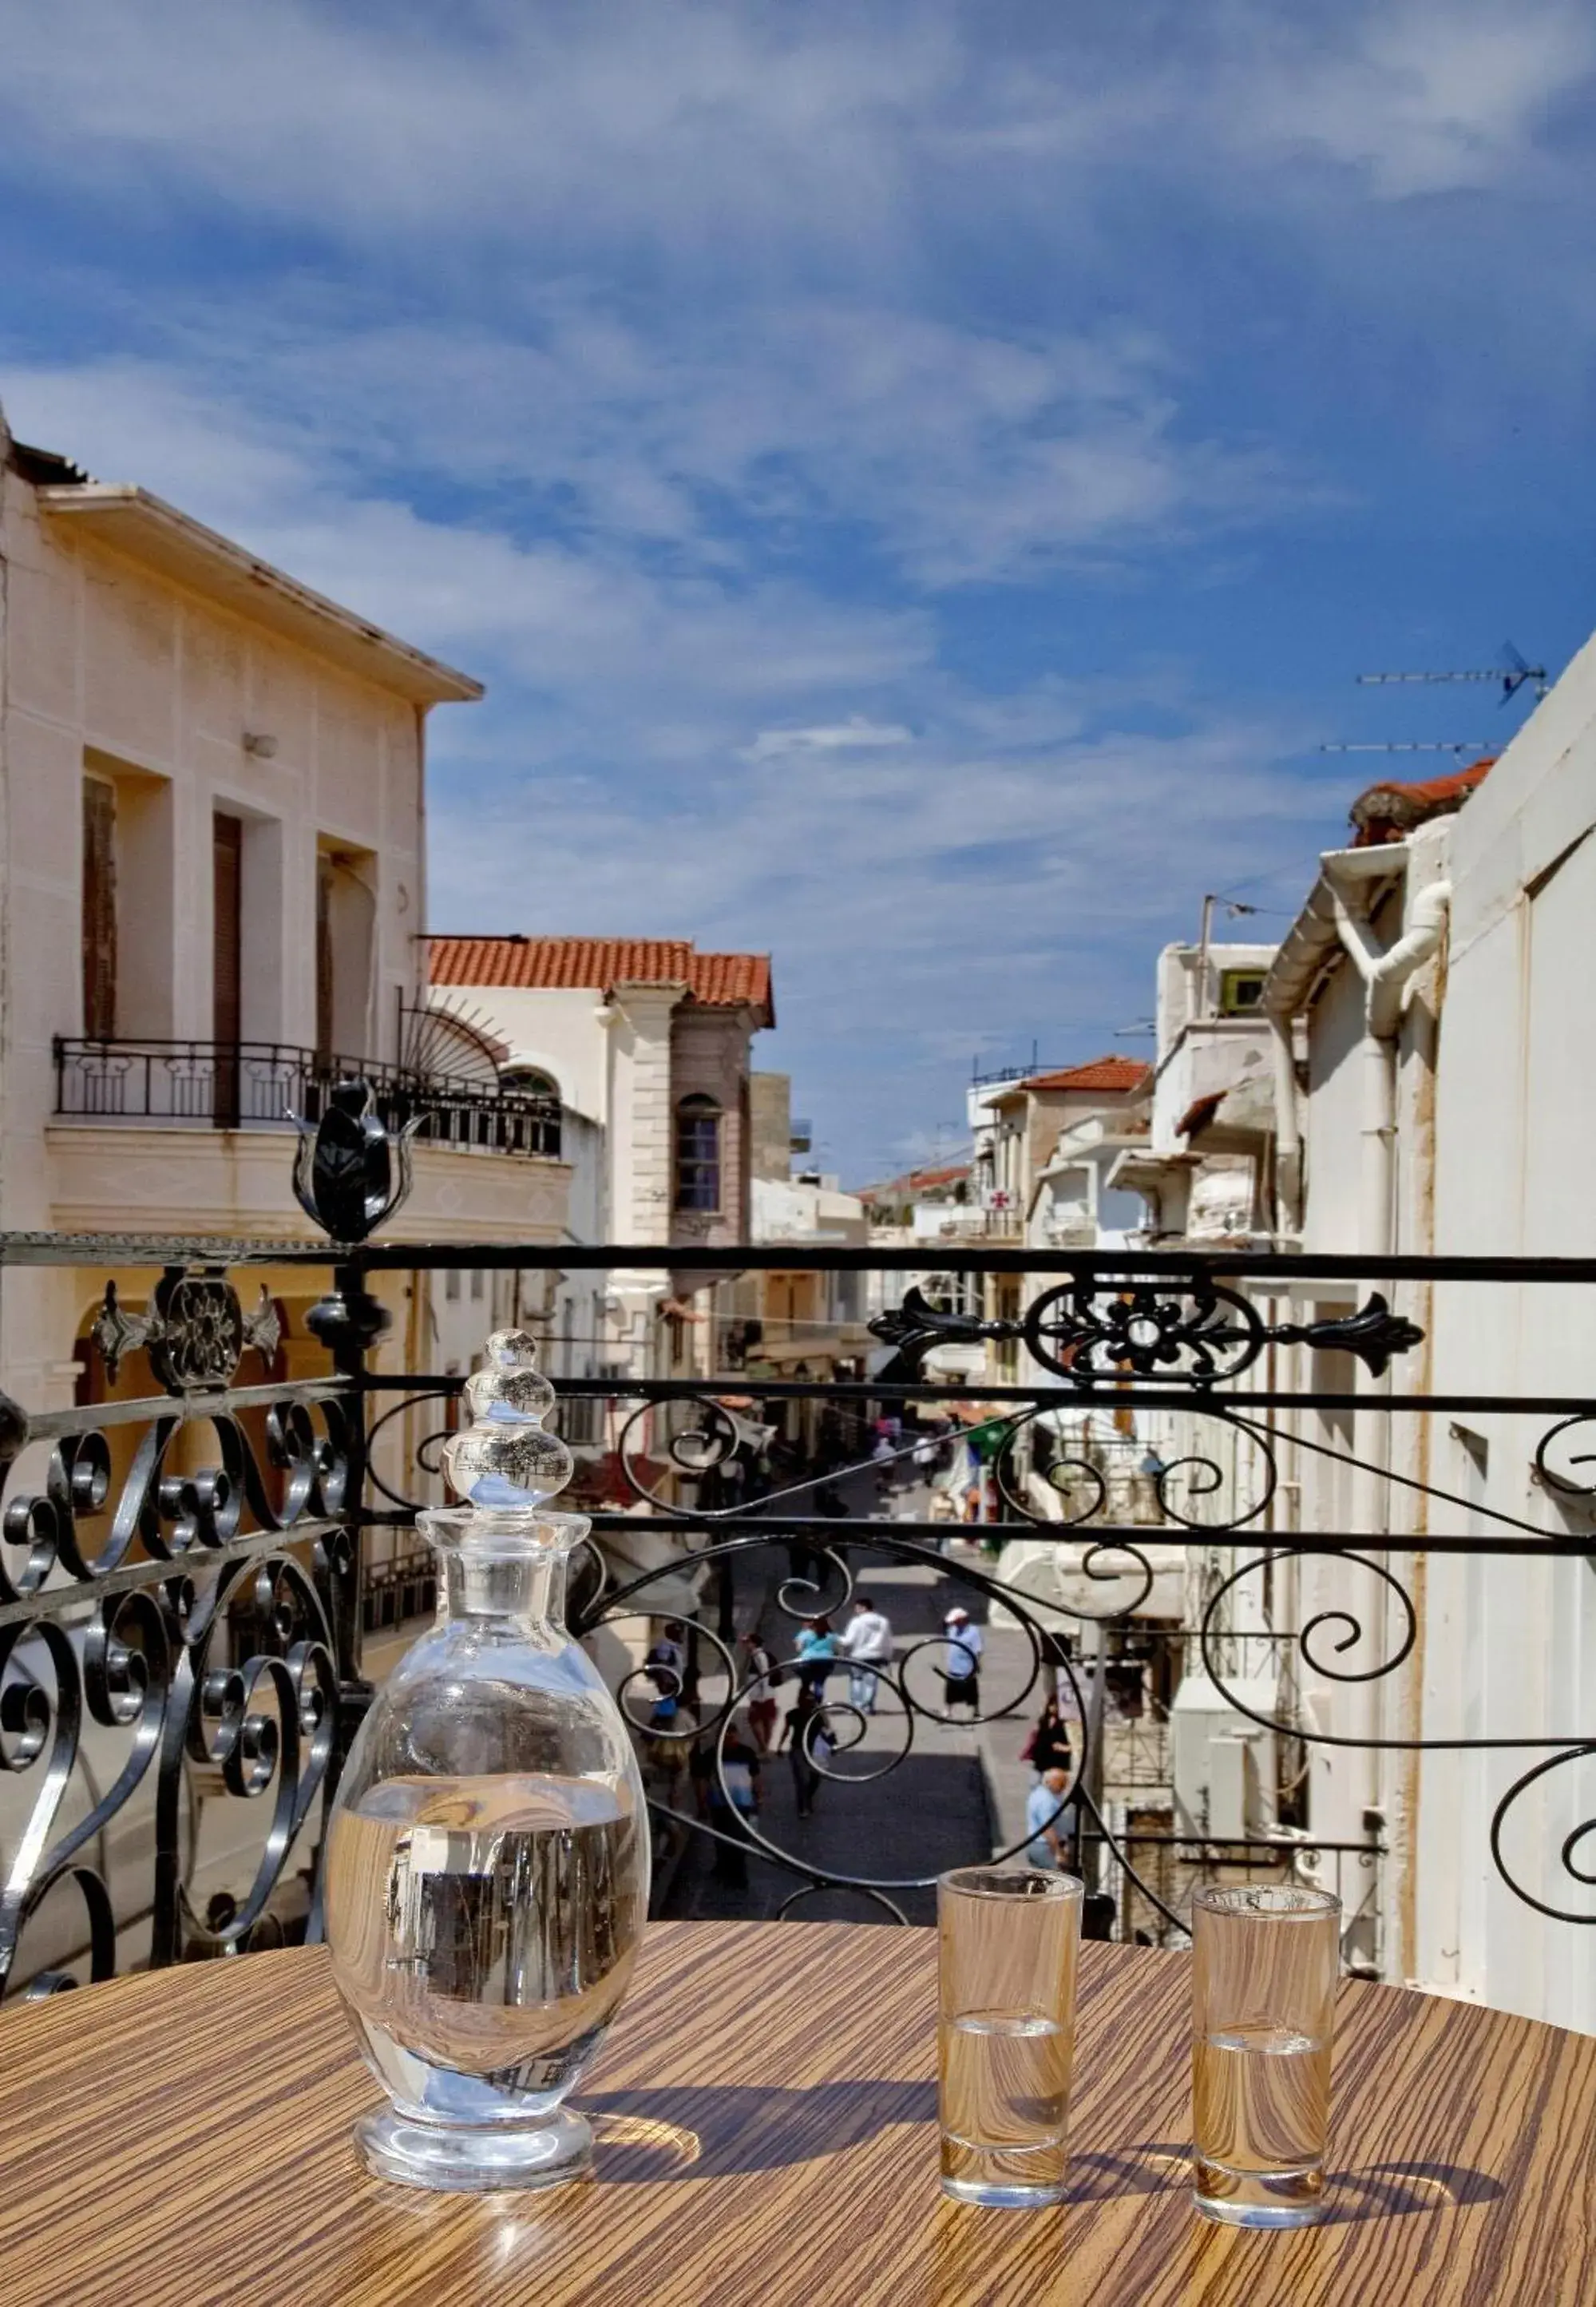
<point x="1224" y="1766"/>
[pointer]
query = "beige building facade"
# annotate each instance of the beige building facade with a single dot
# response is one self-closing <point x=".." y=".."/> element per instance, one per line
<point x="212" y="878"/>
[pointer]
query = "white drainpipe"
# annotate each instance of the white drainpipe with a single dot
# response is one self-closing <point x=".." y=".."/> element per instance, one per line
<point x="1339" y="910"/>
<point x="1385" y="974"/>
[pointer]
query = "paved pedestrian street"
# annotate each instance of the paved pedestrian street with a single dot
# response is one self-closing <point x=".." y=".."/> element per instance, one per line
<point x="878" y="1815"/>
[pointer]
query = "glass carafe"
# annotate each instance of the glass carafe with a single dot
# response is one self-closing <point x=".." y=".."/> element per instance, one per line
<point x="487" y="1859"/>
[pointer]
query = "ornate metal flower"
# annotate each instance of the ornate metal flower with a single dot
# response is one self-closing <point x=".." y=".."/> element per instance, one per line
<point x="351" y="1172"/>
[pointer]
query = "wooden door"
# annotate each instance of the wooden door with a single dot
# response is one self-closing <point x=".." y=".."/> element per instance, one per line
<point x="226" y="962"/>
<point x="100" y="909"/>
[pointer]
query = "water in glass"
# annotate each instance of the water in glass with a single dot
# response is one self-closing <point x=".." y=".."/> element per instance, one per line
<point x="1262" y="2108"/>
<point x="487" y="1925"/>
<point x="1005" y="2100"/>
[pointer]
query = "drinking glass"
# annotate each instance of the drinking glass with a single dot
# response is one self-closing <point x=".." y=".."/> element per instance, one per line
<point x="1008" y="1944"/>
<point x="1265" y="1959"/>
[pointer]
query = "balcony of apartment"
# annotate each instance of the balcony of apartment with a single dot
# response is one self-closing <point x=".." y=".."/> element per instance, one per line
<point x="189" y="1134"/>
<point x="971" y="1221"/>
<point x="203" y="1581"/>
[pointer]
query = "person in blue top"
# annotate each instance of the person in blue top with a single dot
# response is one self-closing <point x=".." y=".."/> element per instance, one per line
<point x="1049" y="1826"/>
<point x="817" y="1649"/>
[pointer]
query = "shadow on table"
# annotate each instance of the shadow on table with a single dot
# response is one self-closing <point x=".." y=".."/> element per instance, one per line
<point x="704" y="2130"/>
<point x="708" y="2130"/>
<point x="1379" y="2190"/>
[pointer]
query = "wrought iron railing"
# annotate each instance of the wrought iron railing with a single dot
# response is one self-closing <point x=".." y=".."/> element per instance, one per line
<point x="262" y="1084"/>
<point x="185" y="1579"/>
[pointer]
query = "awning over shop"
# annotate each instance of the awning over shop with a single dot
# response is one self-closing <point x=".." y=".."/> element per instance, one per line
<point x="1052" y="1574"/>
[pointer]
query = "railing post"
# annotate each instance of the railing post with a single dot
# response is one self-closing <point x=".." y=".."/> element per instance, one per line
<point x="351" y="1175"/>
<point x="348" y="1322"/>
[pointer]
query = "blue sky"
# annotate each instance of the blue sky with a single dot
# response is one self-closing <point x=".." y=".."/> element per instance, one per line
<point x="917" y="480"/>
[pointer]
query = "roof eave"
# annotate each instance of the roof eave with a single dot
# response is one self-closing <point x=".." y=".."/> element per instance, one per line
<point x="145" y="529"/>
<point x="1314" y="939"/>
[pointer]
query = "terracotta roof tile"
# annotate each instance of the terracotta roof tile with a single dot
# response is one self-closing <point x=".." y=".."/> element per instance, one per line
<point x="1388" y="811"/>
<point x="1200" y="1112"/>
<point x="1111" y="1074"/>
<point x="914" y="1181"/>
<point x="720" y="980"/>
<point x="949" y="1176"/>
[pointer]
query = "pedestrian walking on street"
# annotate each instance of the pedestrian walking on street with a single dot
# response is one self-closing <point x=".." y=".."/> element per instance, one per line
<point x="1048" y="1745"/>
<point x="817" y="1654"/>
<point x="809" y="1741"/>
<point x="734" y="1791"/>
<point x="885" y="1457"/>
<point x="961" y="1677"/>
<point x="866" y="1643"/>
<point x="667" y="1661"/>
<point x="1049" y="1821"/>
<point x="764" y="1675"/>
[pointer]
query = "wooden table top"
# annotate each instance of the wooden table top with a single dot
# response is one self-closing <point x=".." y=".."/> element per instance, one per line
<point x="766" y="2124"/>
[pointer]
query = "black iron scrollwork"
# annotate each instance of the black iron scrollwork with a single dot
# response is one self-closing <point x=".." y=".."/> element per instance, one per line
<point x="225" y="1663"/>
<point x="1565" y="1469"/>
<point x="1189" y="1330"/>
<point x="1375" y="1334"/>
<point x="916" y="1326"/>
<point x="194" y="1329"/>
<point x="351" y="1172"/>
<point x="708" y="1442"/>
<point x="1577" y="1854"/>
<point x="1331" y="1636"/>
<point x="164" y="1514"/>
<point x="1086" y="1331"/>
<point x="834" y="1727"/>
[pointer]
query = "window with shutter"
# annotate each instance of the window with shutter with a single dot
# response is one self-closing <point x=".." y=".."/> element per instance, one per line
<point x="698" y="1154"/>
<point x="323" y="957"/>
<point x="100" y="909"/>
<point x="226" y="962"/>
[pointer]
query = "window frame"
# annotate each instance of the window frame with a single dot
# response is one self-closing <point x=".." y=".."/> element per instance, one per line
<point x="527" y="1080"/>
<point x="696" y="1185"/>
<point x="1231" y="981"/>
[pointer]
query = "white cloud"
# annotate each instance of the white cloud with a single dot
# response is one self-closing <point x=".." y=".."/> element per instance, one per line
<point x="690" y="125"/>
<point x="559" y="620"/>
<point x="853" y="735"/>
<point x="918" y="904"/>
<point x="958" y="454"/>
<point x="642" y="119"/>
<point x="1424" y="96"/>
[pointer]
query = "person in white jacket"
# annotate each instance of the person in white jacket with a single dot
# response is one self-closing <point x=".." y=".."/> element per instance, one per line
<point x="866" y="1642"/>
<point x="961" y="1677"/>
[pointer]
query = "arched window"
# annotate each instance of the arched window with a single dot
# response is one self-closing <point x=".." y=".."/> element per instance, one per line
<point x="527" y="1081"/>
<point x="698" y="1154"/>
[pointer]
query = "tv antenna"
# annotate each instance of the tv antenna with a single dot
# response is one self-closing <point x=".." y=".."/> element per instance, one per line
<point x="1446" y="745"/>
<point x="1511" y="673"/>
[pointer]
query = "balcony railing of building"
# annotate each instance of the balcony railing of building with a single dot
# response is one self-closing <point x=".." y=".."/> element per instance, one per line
<point x="262" y="1085"/>
<point x="186" y="1578"/>
<point x="1018" y="1072"/>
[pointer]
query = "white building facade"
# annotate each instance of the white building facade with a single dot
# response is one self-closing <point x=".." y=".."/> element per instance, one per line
<point x="647" y="1041"/>
<point x="1433" y="997"/>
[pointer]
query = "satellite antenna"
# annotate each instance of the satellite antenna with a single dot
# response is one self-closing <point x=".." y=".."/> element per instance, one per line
<point x="1511" y="673"/>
